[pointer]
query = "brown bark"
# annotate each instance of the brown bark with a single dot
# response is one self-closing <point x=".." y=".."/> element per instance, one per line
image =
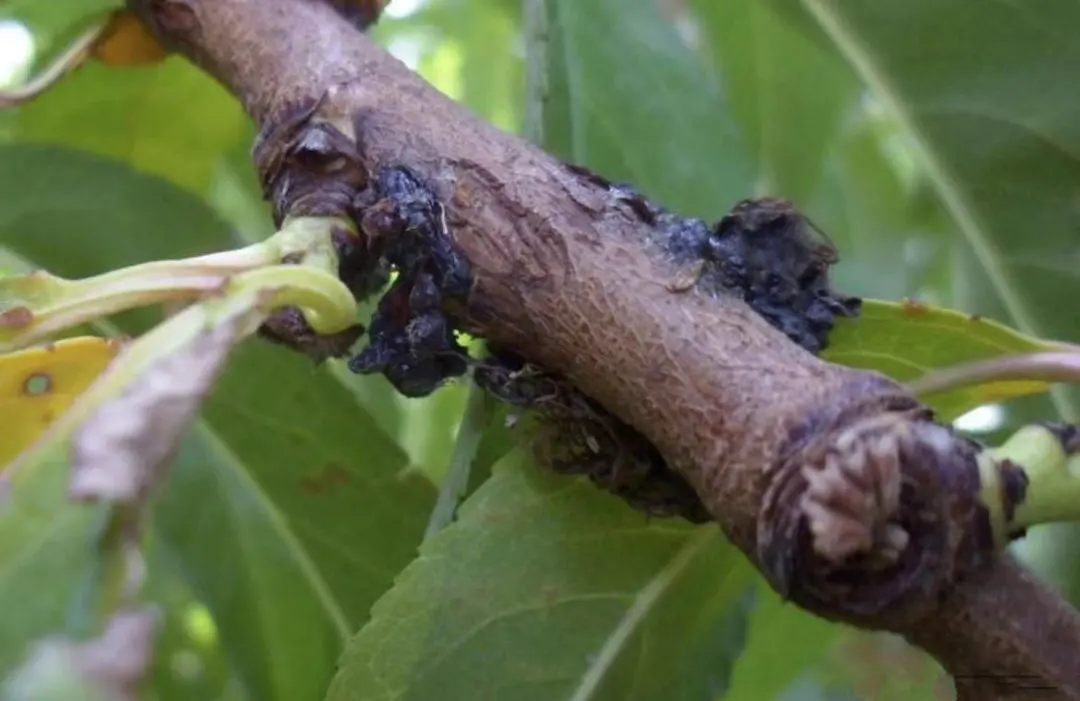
<point x="1018" y="637"/>
<point x="563" y="274"/>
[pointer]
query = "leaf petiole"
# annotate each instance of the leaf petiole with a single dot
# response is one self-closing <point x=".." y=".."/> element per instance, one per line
<point x="1050" y="367"/>
<point x="477" y="416"/>
<point x="327" y="304"/>
<point x="37" y="305"/>
<point x="72" y="57"/>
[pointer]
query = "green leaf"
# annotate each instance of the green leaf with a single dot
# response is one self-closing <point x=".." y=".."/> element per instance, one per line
<point x="429" y="427"/>
<point x="798" y="104"/>
<point x="236" y="193"/>
<point x="458" y="40"/>
<point x="783" y="643"/>
<point x="79" y="214"/>
<point x="169" y="119"/>
<point x="883" y="667"/>
<point x="60" y="10"/>
<point x="907" y="339"/>
<point x="788" y="647"/>
<point x="815" y="141"/>
<point x="626" y="97"/>
<point x="56" y="19"/>
<point x="994" y="128"/>
<point x="788" y="93"/>
<point x="547" y="588"/>
<point x="288" y="510"/>
<point x="44" y="556"/>
<point x="455" y="483"/>
<point x="883" y="252"/>
<point x="498" y="440"/>
<point x="189" y="663"/>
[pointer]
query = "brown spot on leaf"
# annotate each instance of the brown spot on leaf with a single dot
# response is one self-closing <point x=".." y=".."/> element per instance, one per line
<point x="496" y="517"/>
<point x="333" y="475"/>
<point x="913" y="308"/>
<point x="16" y="318"/>
<point x="337" y="475"/>
<point x="975" y="317"/>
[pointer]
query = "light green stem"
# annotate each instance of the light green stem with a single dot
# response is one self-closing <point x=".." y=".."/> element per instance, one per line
<point x="312" y="239"/>
<point x="72" y="57"/>
<point x="327" y="304"/>
<point x="475" y="419"/>
<point x="1053" y="490"/>
<point x="86" y="305"/>
<point x="56" y="304"/>
<point x="1063" y="366"/>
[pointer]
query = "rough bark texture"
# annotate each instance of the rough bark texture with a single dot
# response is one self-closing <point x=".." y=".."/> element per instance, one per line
<point x="835" y="482"/>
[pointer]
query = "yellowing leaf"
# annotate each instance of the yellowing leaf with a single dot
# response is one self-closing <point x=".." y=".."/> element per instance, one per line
<point x="126" y="42"/>
<point x="38" y="384"/>
<point x="909" y="339"/>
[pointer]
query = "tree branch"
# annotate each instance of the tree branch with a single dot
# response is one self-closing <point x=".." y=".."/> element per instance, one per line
<point x="835" y="482"/>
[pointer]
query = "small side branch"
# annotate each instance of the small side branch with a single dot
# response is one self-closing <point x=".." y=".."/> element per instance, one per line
<point x="72" y="57"/>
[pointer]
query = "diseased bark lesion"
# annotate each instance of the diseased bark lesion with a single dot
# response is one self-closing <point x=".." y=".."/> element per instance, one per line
<point x="835" y="482"/>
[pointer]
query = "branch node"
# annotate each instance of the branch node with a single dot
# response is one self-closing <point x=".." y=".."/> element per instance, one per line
<point x="852" y="499"/>
<point x="309" y="165"/>
<point x="872" y="520"/>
